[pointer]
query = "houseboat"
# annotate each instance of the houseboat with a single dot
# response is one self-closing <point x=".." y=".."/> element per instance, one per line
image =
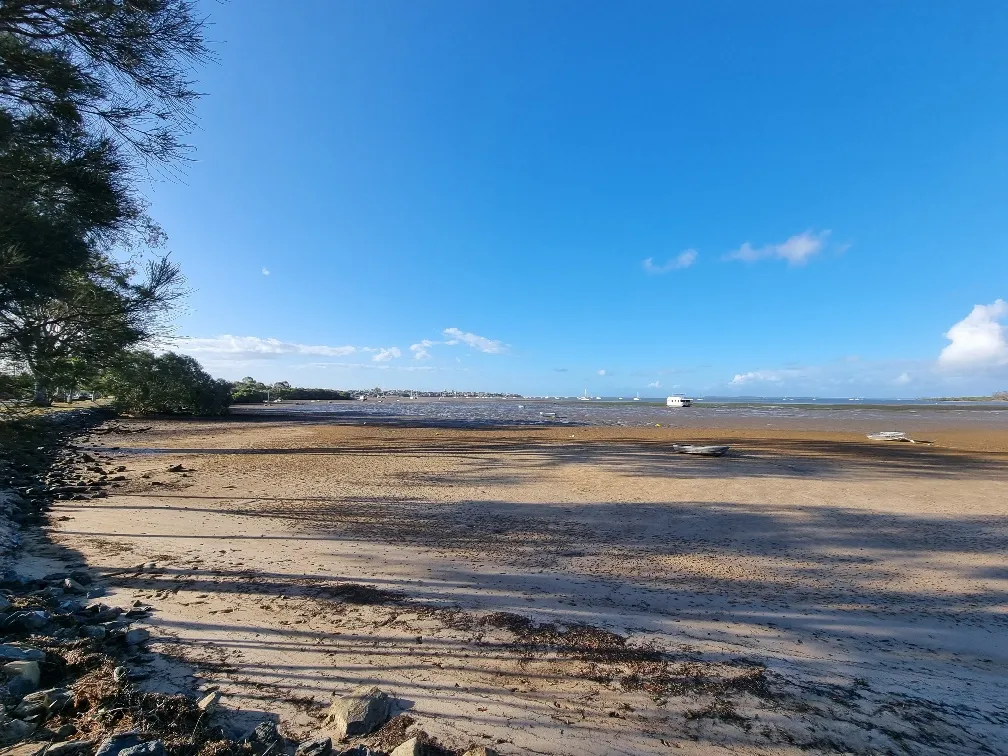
<point x="678" y="401"/>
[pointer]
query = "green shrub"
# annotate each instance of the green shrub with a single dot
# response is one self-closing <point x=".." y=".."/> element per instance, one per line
<point x="143" y="383"/>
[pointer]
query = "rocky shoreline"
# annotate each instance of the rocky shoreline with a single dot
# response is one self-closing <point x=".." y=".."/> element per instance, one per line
<point x="74" y="666"/>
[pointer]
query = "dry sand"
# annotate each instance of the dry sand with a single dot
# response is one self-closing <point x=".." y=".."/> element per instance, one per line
<point x="810" y="591"/>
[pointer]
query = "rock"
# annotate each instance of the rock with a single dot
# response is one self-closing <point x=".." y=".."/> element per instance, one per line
<point x="26" y="669"/>
<point x="43" y="702"/>
<point x="93" y="631"/>
<point x="72" y="586"/>
<point x="19" y="687"/>
<point x="360" y="713"/>
<point x="5" y="603"/>
<point x="119" y="674"/>
<point x="150" y="748"/>
<point x="480" y="751"/>
<point x="176" y="468"/>
<point x="411" y="747"/>
<point x="30" y="621"/>
<point x="13" y="730"/>
<point x="118" y="743"/>
<point x="209" y="702"/>
<point x="315" y="747"/>
<point x="266" y="733"/>
<point x="26" y="749"/>
<point x="137" y="636"/>
<point x="18" y="653"/>
<point x="69" y="748"/>
<point x="361" y="750"/>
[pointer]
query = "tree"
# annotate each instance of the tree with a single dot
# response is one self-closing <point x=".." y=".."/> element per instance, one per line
<point x="90" y="91"/>
<point x="85" y="322"/>
<point x="143" y="383"/>
<point x="119" y="68"/>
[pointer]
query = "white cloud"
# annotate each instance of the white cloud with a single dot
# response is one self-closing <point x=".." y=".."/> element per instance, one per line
<point x="654" y="384"/>
<point x="757" y="376"/>
<point x="244" y="348"/>
<point x="265" y="272"/>
<point x="978" y="340"/>
<point x="384" y="355"/>
<point x="490" y="346"/>
<point x="902" y="379"/>
<point x="602" y="372"/>
<point x="797" y="250"/>
<point x="682" y="260"/>
<point x="420" y="349"/>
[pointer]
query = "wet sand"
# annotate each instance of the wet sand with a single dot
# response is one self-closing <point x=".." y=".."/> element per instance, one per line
<point x="812" y="590"/>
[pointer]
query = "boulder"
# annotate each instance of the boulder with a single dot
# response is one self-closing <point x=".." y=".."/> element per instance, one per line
<point x="26" y="749"/>
<point x="72" y="586"/>
<point x="13" y="730"/>
<point x="19" y="687"/>
<point x="412" y="747"/>
<point x="26" y="669"/>
<point x="360" y="713"/>
<point x="42" y="702"/>
<point x="119" y="743"/>
<point x="315" y="747"/>
<point x="93" y="631"/>
<point x="70" y="748"/>
<point x="264" y="737"/>
<point x="150" y="748"/>
<point x="137" y="636"/>
<point x="19" y="653"/>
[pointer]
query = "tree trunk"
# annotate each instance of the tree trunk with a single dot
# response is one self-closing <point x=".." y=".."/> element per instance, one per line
<point x="41" y="395"/>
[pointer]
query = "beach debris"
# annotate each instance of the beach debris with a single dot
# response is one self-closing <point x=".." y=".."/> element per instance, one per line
<point x="361" y="712"/>
<point x="480" y="751"/>
<point x="209" y="702"/>
<point x="895" y="436"/>
<point x="704" y="450"/>
<point x="314" y="747"/>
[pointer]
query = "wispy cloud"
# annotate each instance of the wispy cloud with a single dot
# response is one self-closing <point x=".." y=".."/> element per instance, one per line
<point x="602" y="371"/>
<point x="420" y="349"/>
<point x="654" y="384"/>
<point x="902" y="379"/>
<point x="482" y="343"/>
<point x="245" y="348"/>
<point x="265" y="272"/>
<point x="757" y="376"/>
<point x="977" y="341"/>
<point x="384" y="355"/>
<point x="796" y="250"/>
<point x="560" y="370"/>
<point x="682" y="260"/>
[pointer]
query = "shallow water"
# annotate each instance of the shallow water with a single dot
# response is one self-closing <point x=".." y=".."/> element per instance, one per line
<point x="495" y="412"/>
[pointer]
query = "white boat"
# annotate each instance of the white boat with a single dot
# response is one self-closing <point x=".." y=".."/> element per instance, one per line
<point x="678" y="401"/>
<point x="598" y="397"/>
<point x="584" y="398"/>
<point x="637" y="398"/>
<point x="704" y="450"/>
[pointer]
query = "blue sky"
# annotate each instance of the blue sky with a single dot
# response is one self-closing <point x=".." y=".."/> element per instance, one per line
<point x="717" y="198"/>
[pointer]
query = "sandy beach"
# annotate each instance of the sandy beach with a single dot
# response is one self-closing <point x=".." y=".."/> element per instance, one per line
<point x="565" y="589"/>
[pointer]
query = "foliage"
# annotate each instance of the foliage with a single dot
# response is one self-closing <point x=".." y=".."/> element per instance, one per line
<point x="70" y="333"/>
<point x="15" y="386"/>
<point x="119" y="68"/>
<point x="250" y="391"/>
<point x="142" y="383"/>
